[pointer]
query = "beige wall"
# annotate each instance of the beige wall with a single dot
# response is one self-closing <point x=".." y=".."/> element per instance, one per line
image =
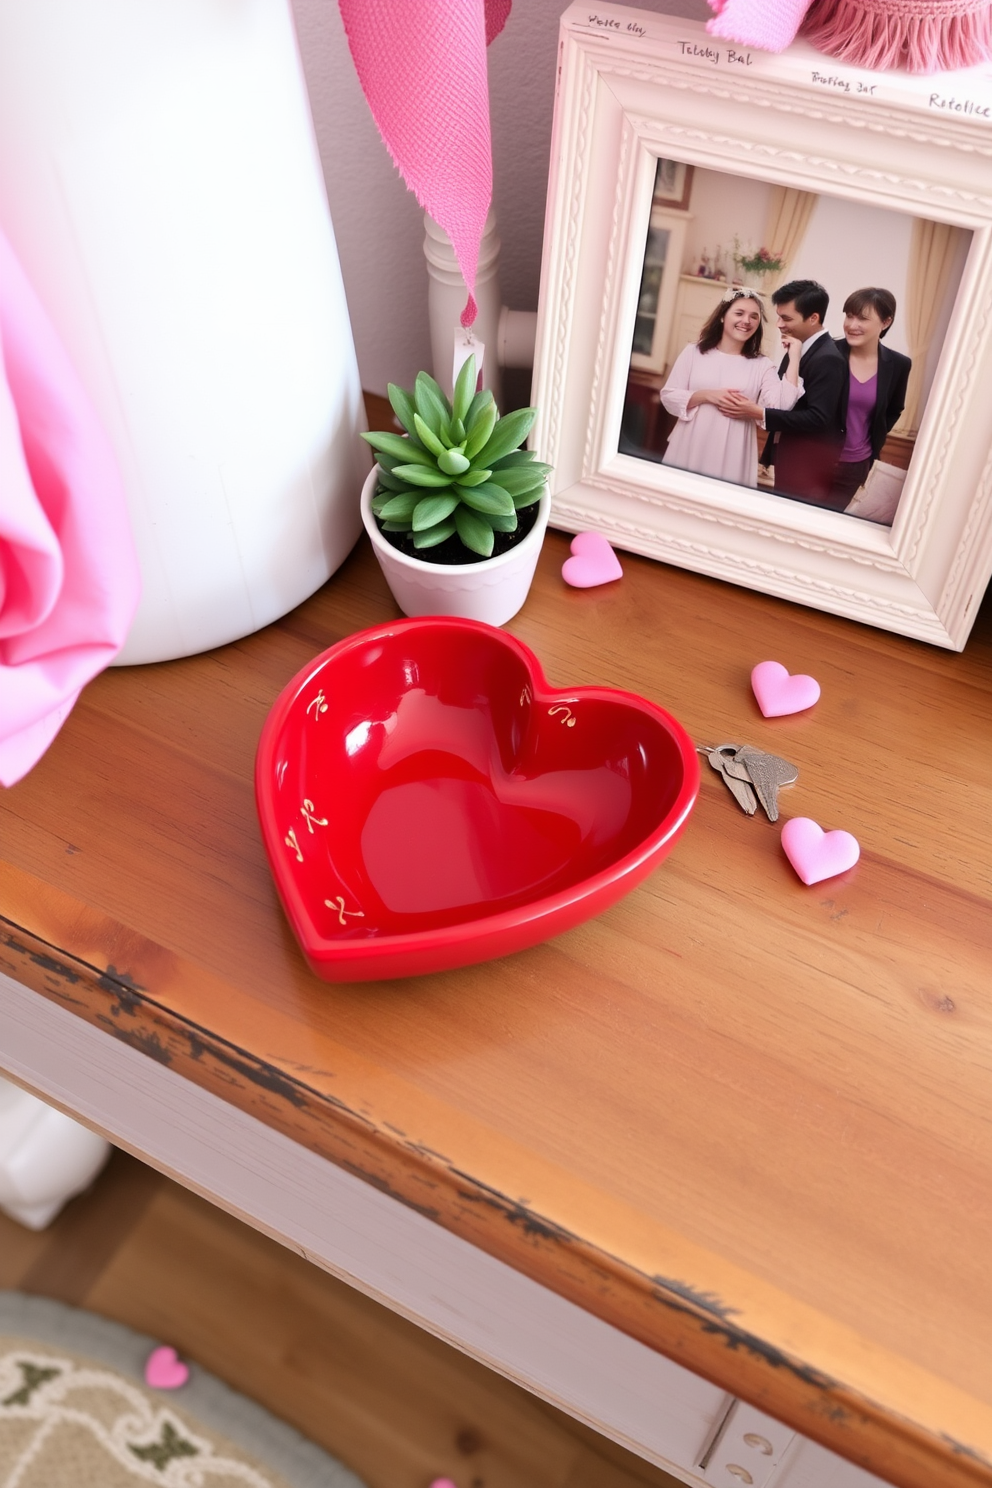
<point x="722" y="205"/>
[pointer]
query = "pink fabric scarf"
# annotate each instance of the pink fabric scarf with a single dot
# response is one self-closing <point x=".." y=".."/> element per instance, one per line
<point x="422" y="67"/>
<point x="68" y="573"/>
<point x="921" y="35"/>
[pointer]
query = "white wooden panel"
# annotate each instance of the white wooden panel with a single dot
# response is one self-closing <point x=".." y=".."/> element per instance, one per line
<point x="807" y="1465"/>
<point x="746" y="1450"/>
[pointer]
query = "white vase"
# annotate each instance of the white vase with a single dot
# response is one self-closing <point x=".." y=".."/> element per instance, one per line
<point x="159" y="181"/>
<point x="493" y="590"/>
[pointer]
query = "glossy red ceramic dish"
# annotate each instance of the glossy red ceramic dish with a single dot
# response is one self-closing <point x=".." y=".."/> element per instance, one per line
<point x="428" y="801"/>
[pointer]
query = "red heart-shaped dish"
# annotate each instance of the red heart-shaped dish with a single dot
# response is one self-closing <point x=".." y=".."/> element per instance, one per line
<point x="427" y="801"/>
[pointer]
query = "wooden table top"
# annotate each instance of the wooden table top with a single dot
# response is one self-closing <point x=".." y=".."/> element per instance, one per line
<point x="745" y="1121"/>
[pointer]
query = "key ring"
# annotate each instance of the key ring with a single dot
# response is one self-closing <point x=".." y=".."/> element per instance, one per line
<point x="751" y="775"/>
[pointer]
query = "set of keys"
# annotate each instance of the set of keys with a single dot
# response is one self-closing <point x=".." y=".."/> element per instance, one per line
<point x="751" y="775"/>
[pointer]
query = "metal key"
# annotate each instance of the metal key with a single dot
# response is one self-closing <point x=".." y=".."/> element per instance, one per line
<point x="766" y="772"/>
<point x="739" y="788"/>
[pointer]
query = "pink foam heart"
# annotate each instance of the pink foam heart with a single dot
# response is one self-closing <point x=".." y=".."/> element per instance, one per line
<point x="164" y="1370"/>
<point x="779" y="693"/>
<point x="593" y="562"/>
<point x="816" y="854"/>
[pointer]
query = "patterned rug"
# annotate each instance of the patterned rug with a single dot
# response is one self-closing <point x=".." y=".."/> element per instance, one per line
<point x="75" y="1413"/>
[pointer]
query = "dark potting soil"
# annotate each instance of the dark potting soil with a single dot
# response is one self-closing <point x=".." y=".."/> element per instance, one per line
<point x="452" y="551"/>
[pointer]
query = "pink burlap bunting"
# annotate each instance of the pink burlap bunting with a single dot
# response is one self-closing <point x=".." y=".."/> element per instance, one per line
<point x="422" y="67"/>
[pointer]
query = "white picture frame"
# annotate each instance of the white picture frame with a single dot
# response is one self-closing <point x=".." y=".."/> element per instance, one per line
<point x="635" y="87"/>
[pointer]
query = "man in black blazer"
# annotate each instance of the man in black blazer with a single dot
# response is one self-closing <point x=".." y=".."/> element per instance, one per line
<point x="804" y="444"/>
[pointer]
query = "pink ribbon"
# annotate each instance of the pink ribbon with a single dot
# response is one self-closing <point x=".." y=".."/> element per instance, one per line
<point x="68" y="572"/>
<point x="422" y="67"/>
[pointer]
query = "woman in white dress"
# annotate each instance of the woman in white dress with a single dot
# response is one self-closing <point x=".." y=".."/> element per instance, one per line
<point x="719" y="388"/>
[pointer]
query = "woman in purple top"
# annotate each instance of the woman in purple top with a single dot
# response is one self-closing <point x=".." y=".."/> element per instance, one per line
<point x="875" y="393"/>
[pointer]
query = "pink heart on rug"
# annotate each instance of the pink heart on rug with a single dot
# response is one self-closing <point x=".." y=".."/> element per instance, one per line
<point x="816" y="854"/>
<point x="779" y="693"/>
<point x="164" y="1370"/>
<point x="593" y="562"/>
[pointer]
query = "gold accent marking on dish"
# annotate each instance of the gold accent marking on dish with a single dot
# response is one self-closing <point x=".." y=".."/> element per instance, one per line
<point x="290" y="840"/>
<point x="338" y="904"/>
<point x="308" y="812"/>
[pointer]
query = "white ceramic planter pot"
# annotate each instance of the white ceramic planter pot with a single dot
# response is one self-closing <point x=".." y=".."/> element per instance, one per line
<point x="492" y="591"/>
<point x="159" y="182"/>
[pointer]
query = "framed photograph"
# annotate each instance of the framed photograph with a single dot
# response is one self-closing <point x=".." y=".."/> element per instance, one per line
<point x="764" y="340"/>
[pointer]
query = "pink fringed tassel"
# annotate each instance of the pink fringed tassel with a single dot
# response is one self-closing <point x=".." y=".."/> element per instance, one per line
<point x="919" y="35"/>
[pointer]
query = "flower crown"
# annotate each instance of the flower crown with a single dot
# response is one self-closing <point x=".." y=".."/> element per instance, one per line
<point x="745" y="292"/>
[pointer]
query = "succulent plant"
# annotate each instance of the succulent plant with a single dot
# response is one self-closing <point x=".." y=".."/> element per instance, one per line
<point x="458" y="469"/>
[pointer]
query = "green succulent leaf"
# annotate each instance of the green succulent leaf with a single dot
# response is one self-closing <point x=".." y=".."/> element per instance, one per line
<point x="528" y="498"/>
<point x="396" y="526"/>
<point x="423" y="475"/>
<point x="500" y="523"/>
<point x="433" y="509"/>
<point x="509" y="432"/>
<point x="488" y="498"/>
<point x="383" y="497"/>
<point x="457" y="431"/>
<point x="432" y="405"/>
<point x="390" y="482"/>
<point x="435" y="535"/>
<point x="482" y="400"/>
<point x="390" y="462"/>
<point x="520" y="457"/>
<point x="403" y="405"/>
<point x="399" y="446"/>
<point x="400" y="508"/>
<point x="464" y="388"/>
<point x="517" y="481"/>
<point x="452" y="462"/>
<point x="474" y="531"/>
<point x="474" y="477"/>
<point x="427" y="436"/>
<point x="481" y="430"/>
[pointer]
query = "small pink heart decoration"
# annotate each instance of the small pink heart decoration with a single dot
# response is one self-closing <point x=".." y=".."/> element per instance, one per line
<point x="779" y="693"/>
<point x="816" y="854"/>
<point x="164" y="1370"/>
<point x="593" y="562"/>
